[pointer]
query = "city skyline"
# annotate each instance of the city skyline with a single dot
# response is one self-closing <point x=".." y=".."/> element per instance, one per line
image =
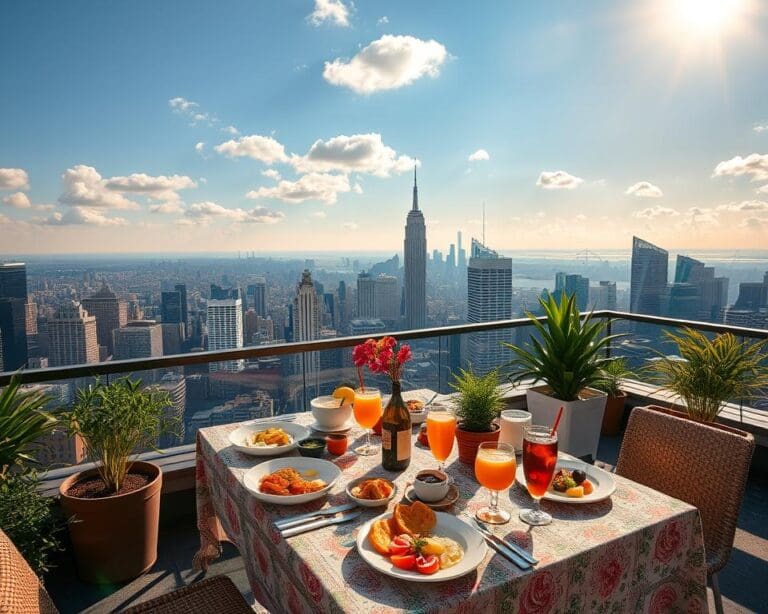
<point x="181" y="149"/>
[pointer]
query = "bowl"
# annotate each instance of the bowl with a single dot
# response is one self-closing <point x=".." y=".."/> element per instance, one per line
<point x="239" y="436"/>
<point x="322" y="469"/>
<point x="327" y="413"/>
<point x="315" y="448"/>
<point x="370" y="502"/>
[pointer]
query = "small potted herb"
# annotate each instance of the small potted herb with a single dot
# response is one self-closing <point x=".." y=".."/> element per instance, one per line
<point x="610" y="383"/>
<point x="477" y="405"/>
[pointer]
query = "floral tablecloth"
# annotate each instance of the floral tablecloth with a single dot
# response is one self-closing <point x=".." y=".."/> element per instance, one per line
<point x="639" y="551"/>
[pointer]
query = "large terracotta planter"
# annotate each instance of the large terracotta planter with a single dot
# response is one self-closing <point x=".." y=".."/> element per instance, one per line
<point x="469" y="442"/>
<point x="114" y="538"/>
<point x="614" y="414"/>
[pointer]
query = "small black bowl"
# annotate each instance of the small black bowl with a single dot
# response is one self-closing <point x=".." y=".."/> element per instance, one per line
<point x="314" y="451"/>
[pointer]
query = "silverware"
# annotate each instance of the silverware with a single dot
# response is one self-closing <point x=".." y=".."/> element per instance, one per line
<point x="292" y="521"/>
<point x="428" y="403"/>
<point x="509" y="544"/>
<point x="501" y="547"/>
<point x="318" y="524"/>
<point x="284" y="418"/>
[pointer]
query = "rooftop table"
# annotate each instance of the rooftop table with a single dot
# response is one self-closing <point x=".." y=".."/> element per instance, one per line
<point x="638" y="551"/>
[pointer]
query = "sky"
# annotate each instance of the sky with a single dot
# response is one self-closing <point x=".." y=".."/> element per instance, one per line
<point x="290" y="125"/>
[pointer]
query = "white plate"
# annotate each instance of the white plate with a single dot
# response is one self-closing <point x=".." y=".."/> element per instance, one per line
<point x="370" y="502"/>
<point x="238" y="437"/>
<point x="602" y="481"/>
<point x="447" y="526"/>
<point x="315" y="426"/>
<point x="326" y="471"/>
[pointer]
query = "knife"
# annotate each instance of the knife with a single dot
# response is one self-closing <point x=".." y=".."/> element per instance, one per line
<point x="502" y="548"/>
<point x="509" y="544"/>
<point x="283" y="418"/>
<point x="318" y="524"/>
<point x="292" y="521"/>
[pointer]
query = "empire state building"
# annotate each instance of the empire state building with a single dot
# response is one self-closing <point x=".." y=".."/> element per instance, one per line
<point x="415" y="250"/>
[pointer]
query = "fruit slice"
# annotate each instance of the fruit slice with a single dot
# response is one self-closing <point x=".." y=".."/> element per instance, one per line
<point x="381" y="535"/>
<point x="575" y="492"/>
<point x="427" y="564"/>
<point x="588" y="487"/>
<point x="346" y="393"/>
<point x="404" y="561"/>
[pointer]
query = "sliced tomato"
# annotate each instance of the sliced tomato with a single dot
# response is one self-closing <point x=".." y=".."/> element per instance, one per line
<point x="401" y="545"/>
<point x="427" y="564"/>
<point x="403" y="561"/>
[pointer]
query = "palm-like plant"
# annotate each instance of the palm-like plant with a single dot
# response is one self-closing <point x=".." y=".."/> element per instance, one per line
<point x="568" y="358"/>
<point x="22" y="422"/>
<point x="712" y="371"/>
<point x="613" y="372"/>
<point x="479" y="400"/>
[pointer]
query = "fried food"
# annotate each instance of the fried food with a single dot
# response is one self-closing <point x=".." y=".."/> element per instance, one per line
<point x="415" y="405"/>
<point x="376" y="488"/>
<point x="414" y="519"/>
<point x="287" y="481"/>
<point x="381" y="535"/>
<point x="271" y="437"/>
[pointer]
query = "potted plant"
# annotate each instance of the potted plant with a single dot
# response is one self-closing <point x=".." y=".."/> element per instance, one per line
<point x="613" y="372"/>
<point x="568" y="361"/>
<point x="710" y="372"/>
<point x="477" y="405"/>
<point x="114" y="508"/>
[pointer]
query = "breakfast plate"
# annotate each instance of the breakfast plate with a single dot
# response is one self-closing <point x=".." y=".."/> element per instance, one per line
<point x="447" y="525"/>
<point x="309" y="468"/>
<point x="603" y="483"/>
<point x="370" y="502"/>
<point x="241" y="435"/>
<point x="315" y="426"/>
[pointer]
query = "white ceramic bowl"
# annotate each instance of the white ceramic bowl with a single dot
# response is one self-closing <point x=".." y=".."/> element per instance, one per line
<point x="370" y="502"/>
<point x="328" y="415"/>
<point x="239" y="436"/>
<point x="326" y="471"/>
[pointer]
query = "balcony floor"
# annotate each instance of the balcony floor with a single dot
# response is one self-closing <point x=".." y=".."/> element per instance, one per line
<point x="742" y="582"/>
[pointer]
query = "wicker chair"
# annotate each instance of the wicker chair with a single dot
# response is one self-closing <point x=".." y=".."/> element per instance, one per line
<point x="677" y="456"/>
<point x="20" y="589"/>
<point x="218" y="594"/>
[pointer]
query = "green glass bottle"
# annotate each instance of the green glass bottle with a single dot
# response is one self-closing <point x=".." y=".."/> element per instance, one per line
<point x="396" y="433"/>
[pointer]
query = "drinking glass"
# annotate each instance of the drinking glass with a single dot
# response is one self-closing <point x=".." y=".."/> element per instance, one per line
<point x="441" y="430"/>
<point x="539" y="462"/>
<point x="495" y="467"/>
<point x="367" y="410"/>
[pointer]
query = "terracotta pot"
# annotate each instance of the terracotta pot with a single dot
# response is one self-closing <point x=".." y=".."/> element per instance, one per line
<point x="114" y="538"/>
<point x="614" y="414"/>
<point x="469" y="442"/>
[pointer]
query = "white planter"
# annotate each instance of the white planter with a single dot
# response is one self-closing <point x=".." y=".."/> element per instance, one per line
<point x="579" y="429"/>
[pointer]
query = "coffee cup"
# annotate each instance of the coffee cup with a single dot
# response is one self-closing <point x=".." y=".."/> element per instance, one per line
<point x="432" y="485"/>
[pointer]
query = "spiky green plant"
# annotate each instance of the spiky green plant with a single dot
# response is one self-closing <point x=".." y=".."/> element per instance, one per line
<point x="712" y="372"/>
<point x="116" y="421"/>
<point x="479" y="400"/>
<point x="569" y="357"/>
<point x="23" y="420"/>
<point x="613" y="372"/>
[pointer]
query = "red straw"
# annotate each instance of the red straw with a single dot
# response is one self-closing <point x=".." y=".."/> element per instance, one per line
<point x="557" y="422"/>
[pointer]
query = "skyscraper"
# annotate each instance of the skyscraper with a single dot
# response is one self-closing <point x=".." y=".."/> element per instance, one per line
<point x="386" y="298"/>
<point x="489" y="298"/>
<point x="415" y="248"/>
<point x="13" y="314"/>
<point x="648" y="277"/>
<point x="578" y="285"/>
<point x="258" y="290"/>
<point x="366" y="296"/>
<point x="110" y="313"/>
<point x="306" y="326"/>
<point x="72" y="336"/>
<point x="173" y="306"/>
<point x="603" y="296"/>
<point x="461" y="253"/>
<point x="138" y="339"/>
<point x="224" y="320"/>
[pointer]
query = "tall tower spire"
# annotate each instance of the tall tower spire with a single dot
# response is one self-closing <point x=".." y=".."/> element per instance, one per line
<point x="415" y="191"/>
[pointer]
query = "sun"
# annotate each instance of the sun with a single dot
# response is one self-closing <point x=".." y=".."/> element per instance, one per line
<point x="707" y="18"/>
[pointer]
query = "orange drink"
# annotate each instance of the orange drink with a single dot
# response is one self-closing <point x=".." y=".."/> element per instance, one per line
<point x="495" y="469"/>
<point x="367" y="410"/>
<point x="441" y="430"/>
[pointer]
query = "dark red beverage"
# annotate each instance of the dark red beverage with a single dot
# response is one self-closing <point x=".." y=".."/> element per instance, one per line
<point x="539" y="461"/>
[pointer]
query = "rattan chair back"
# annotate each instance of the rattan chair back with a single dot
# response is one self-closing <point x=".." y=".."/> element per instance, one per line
<point x="20" y="589"/>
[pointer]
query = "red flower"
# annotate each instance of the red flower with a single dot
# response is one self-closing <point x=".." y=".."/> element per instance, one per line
<point x="609" y="569"/>
<point x="668" y="542"/>
<point x="381" y="357"/>
<point x="663" y="600"/>
<point x="311" y="582"/>
<point x="540" y="594"/>
<point x="404" y="354"/>
<point x="234" y="523"/>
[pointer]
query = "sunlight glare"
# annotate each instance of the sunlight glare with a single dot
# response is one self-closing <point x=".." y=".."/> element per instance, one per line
<point x="708" y="18"/>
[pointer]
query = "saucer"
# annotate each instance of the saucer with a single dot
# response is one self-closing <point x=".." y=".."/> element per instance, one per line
<point x="321" y="429"/>
<point x="443" y="504"/>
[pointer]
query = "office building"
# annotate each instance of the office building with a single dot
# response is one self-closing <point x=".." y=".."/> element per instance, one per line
<point x="560" y="283"/>
<point x="578" y="286"/>
<point x="13" y="314"/>
<point x="378" y="297"/>
<point x="603" y="295"/>
<point x="306" y="327"/>
<point x="173" y="338"/>
<point x="649" y="271"/>
<point x="461" y="261"/>
<point x="366" y="296"/>
<point x="72" y="337"/>
<point x="138" y="339"/>
<point x="173" y="307"/>
<point x="110" y="313"/>
<point x="750" y="296"/>
<point x="257" y="295"/>
<point x="224" y="321"/>
<point x="415" y="248"/>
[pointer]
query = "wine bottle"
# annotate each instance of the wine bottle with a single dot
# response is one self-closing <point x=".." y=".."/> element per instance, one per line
<point x="396" y="433"/>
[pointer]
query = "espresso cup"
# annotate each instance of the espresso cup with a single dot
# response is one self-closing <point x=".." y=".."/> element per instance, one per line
<point x="431" y="492"/>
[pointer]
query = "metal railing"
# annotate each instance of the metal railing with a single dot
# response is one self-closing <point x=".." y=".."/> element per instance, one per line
<point x="263" y="351"/>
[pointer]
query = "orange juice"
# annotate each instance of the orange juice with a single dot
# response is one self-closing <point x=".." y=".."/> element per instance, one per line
<point x="367" y="407"/>
<point x="441" y="429"/>
<point x="495" y="469"/>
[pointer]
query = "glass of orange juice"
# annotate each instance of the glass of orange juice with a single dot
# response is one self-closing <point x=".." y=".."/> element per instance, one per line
<point x="441" y="430"/>
<point x="495" y="469"/>
<point x="367" y="410"/>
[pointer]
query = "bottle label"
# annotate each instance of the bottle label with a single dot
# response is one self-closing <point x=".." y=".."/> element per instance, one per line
<point x="386" y="439"/>
<point x="403" y="445"/>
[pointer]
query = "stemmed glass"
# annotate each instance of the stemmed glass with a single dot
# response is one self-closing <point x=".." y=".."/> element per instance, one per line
<point x="539" y="462"/>
<point x="367" y="410"/>
<point x="495" y="467"/>
<point x="441" y="430"/>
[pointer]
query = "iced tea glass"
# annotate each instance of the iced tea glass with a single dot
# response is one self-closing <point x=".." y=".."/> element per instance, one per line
<point x="495" y="467"/>
<point x="539" y="462"/>
<point x="367" y="411"/>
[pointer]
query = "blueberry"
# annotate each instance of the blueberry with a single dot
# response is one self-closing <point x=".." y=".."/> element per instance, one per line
<point x="578" y="476"/>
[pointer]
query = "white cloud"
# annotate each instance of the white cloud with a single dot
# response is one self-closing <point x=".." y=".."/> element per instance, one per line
<point x="200" y="147"/>
<point x="313" y="186"/>
<point x="192" y="110"/>
<point x="319" y="215"/>
<point x="644" y="189"/>
<point x="357" y="188"/>
<point x="203" y="212"/>
<point x="172" y="206"/>
<point x="747" y="205"/>
<point x="657" y="211"/>
<point x="558" y="180"/>
<point x="755" y="165"/>
<point x="760" y="128"/>
<point x="703" y="215"/>
<point x="18" y="200"/>
<point x="334" y="11"/>
<point x="383" y="20"/>
<point x="350" y="225"/>
<point x="480" y="154"/>
<point x="763" y="189"/>
<point x="13" y="179"/>
<point x="84" y="186"/>
<point x="362" y="153"/>
<point x="754" y="223"/>
<point x="262" y="148"/>
<point x="262" y="215"/>
<point x="271" y="173"/>
<point x="231" y="130"/>
<point x="80" y="216"/>
<point x="387" y="63"/>
<point x="580" y="217"/>
<point x="161" y="187"/>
